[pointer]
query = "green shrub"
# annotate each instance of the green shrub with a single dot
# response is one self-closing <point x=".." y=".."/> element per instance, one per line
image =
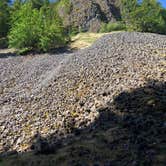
<point x="52" y="37"/>
<point x="23" y="51"/>
<point x="36" y="29"/>
<point x="108" y="27"/>
<point x="73" y="31"/>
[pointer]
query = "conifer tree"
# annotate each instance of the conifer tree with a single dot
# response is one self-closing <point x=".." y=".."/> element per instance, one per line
<point x="36" y="29"/>
<point x="4" y="17"/>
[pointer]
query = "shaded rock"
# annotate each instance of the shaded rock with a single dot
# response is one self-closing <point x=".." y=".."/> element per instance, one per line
<point x="88" y="15"/>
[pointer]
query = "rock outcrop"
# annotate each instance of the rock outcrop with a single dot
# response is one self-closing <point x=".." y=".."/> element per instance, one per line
<point x="88" y="15"/>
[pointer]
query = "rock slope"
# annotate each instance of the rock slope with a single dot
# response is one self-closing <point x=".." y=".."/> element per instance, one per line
<point x="122" y="74"/>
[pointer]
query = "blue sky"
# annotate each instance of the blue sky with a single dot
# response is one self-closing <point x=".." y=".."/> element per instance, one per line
<point x="163" y="2"/>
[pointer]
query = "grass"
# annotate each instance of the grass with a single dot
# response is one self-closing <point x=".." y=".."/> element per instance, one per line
<point x="83" y="40"/>
<point x="79" y="41"/>
<point x="5" y="51"/>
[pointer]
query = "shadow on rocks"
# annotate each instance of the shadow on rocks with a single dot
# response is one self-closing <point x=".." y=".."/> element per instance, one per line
<point x="6" y="55"/>
<point x="61" y="50"/>
<point x="130" y="131"/>
<point x="143" y="114"/>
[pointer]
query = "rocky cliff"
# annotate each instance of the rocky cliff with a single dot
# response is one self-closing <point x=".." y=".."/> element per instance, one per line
<point x="88" y="15"/>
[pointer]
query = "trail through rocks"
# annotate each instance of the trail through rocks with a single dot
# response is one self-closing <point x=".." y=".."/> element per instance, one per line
<point x="54" y="94"/>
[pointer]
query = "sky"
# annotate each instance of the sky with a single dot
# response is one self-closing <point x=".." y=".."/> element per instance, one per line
<point x="163" y="2"/>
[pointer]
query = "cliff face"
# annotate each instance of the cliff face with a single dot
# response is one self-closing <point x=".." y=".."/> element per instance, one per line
<point x="88" y="15"/>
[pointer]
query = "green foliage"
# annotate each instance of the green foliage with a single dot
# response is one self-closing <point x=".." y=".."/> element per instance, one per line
<point x="53" y="33"/>
<point x="4" y="17"/>
<point x="73" y="31"/>
<point x="37" y="4"/>
<point x="63" y="4"/>
<point x="25" y="28"/>
<point x="147" y="16"/>
<point x="108" y="27"/>
<point x="127" y="7"/>
<point x="23" y="51"/>
<point x="36" y="29"/>
<point x="16" y="5"/>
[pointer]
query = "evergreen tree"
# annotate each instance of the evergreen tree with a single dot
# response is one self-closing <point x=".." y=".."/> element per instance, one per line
<point x="17" y="4"/>
<point x="148" y="17"/>
<point x="4" y="17"/>
<point x="39" y="29"/>
<point x="37" y="4"/>
<point x="24" y="30"/>
<point x="144" y="16"/>
<point x="127" y="7"/>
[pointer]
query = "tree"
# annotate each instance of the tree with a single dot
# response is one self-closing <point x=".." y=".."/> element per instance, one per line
<point x="17" y="4"/>
<point x="53" y="33"/>
<point x="4" y="17"/>
<point x="127" y="7"/>
<point x="24" y="31"/>
<point x="148" y="17"/>
<point x="39" y="29"/>
<point x="37" y="4"/>
<point x="144" y="16"/>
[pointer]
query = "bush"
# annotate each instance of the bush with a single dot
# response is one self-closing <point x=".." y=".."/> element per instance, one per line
<point x="118" y="26"/>
<point x="36" y="29"/>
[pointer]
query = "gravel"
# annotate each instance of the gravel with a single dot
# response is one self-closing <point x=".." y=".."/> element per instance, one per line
<point x="55" y="93"/>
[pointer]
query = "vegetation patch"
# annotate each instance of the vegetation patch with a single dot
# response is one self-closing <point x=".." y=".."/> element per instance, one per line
<point x="109" y="27"/>
<point x="83" y="40"/>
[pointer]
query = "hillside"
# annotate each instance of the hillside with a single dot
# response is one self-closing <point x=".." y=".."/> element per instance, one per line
<point x="103" y="105"/>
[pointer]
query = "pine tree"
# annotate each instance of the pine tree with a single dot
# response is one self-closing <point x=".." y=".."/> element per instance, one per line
<point x="144" y="16"/>
<point x="148" y="17"/>
<point x="37" y="29"/>
<point x="4" y="17"/>
<point x="37" y="4"/>
<point x="127" y="7"/>
<point x="17" y="4"/>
